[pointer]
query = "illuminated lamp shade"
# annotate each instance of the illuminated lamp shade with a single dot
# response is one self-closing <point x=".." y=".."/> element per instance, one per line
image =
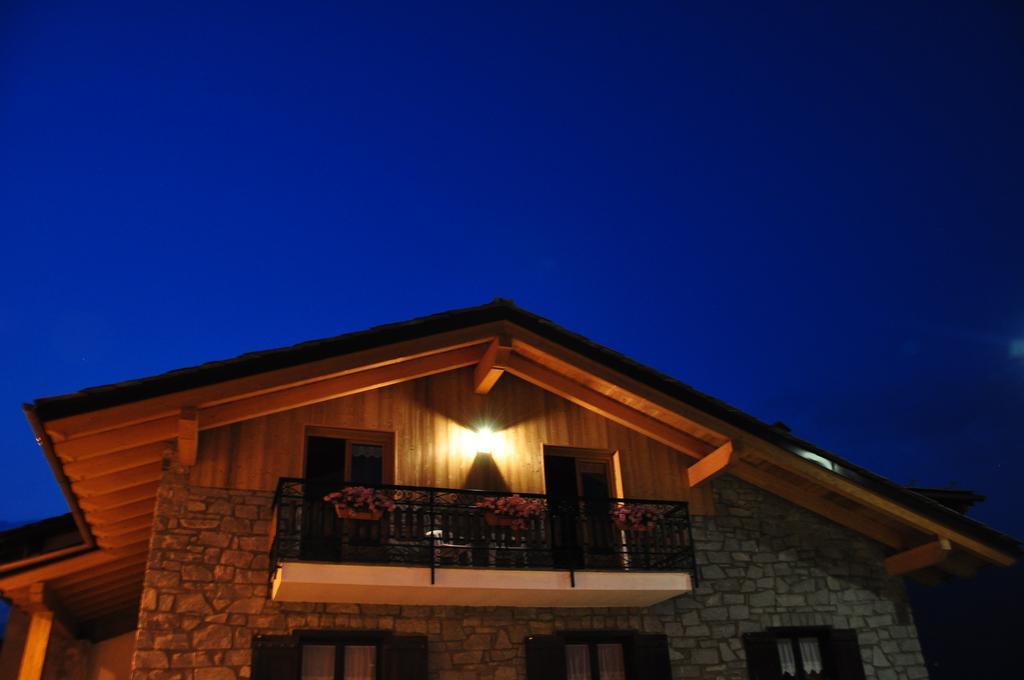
<point x="485" y="440"/>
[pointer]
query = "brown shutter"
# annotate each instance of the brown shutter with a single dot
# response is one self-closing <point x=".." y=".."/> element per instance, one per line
<point x="275" y="657"/>
<point x="762" y="656"/>
<point x="844" y="653"/>
<point x="405" y="657"/>
<point x="545" y="658"/>
<point x="650" y="657"/>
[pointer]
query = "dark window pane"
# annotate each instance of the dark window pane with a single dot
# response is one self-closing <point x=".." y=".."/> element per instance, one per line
<point x="367" y="464"/>
<point x="318" y="662"/>
<point x="325" y="458"/>
<point x="594" y="479"/>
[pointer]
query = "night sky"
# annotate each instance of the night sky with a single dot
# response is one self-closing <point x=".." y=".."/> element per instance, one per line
<point x="811" y="211"/>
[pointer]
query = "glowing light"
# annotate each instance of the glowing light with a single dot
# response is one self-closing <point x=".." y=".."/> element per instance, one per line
<point x="485" y="439"/>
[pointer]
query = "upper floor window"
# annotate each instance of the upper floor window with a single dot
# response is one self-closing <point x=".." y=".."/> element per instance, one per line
<point x="357" y="456"/>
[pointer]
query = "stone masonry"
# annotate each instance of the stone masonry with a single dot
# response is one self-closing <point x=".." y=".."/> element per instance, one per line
<point x="763" y="563"/>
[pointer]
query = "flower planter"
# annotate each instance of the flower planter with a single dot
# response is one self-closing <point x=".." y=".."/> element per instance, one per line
<point x="495" y="520"/>
<point x="362" y="515"/>
<point x="623" y="525"/>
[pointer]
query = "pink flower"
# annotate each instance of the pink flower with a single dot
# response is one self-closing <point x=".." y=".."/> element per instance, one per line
<point x="360" y="498"/>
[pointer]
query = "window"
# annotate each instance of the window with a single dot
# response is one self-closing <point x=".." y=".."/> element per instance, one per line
<point x="338" y="661"/>
<point x="803" y="654"/>
<point x="339" y="655"/>
<point x="356" y="456"/>
<point x="595" y="661"/>
<point x="597" y="655"/>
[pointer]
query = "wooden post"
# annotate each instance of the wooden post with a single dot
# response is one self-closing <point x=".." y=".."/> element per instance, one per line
<point x="188" y="436"/>
<point x="33" y="654"/>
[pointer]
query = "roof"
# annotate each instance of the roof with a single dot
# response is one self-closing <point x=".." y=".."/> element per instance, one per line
<point x="253" y="363"/>
<point x="38" y="538"/>
<point x="107" y="445"/>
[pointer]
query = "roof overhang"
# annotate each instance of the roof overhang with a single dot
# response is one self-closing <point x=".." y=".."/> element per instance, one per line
<point x="106" y="444"/>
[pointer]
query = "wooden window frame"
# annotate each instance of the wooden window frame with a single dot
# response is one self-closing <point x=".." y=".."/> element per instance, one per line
<point x="609" y="458"/>
<point x="339" y="640"/>
<point x="598" y="637"/>
<point x="386" y="440"/>
<point x="793" y="635"/>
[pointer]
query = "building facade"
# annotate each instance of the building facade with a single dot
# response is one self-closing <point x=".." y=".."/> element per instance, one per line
<point x="478" y="495"/>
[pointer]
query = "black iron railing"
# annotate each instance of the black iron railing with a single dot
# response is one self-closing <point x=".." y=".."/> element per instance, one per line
<point x="448" y="528"/>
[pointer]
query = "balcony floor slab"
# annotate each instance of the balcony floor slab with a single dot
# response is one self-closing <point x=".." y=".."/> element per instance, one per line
<point x="373" y="584"/>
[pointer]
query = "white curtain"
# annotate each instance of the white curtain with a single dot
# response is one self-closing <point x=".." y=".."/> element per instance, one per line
<point x="317" y="662"/>
<point x="577" y="662"/>
<point x="786" y="658"/>
<point x="360" y="662"/>
<point x="610" y="663"/>
<point x="811" y="655"/>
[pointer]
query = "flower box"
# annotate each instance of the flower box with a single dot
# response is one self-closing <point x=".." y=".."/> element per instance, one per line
<point x="362" y="515"/>
<point x="510" y="511"/>
<point x="495" y="520"/>
<point x="639" y="517"/>
<point x="360" y="503"/>
<point x="625" y="525"/>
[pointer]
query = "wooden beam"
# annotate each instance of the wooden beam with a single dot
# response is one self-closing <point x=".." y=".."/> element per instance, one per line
<point x="87" y="579"/>
<point x="90" y="609"/>
<point x="64" y="567"/>
<point x="801" y="496"/>
<point x="607" y="407"/>
<point x="710" y="466"/>
<point x="115" y="417"/>
<point x="33" y="655"/>
<point x="491" y="366"/>
<point x="130" y="437"/>
<point x="140" y="536"/>
<point x="118" y="481"/>
<point x="113" y="515"/>
<point x="927" y="555"/>
<point x="130" y="583"/>
<point x="691" y="419"/>
<point x="123" y="527"/>
<point x="226" y="413"/>
<point x="334" y="388"/>
<point x="188" y="436"/>
<point x="830" y="480"/>
<point x="120" y="498"/>
<point x="115" y="462"/>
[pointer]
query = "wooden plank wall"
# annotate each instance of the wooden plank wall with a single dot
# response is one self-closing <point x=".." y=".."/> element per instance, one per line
<point x="434" y="420"/>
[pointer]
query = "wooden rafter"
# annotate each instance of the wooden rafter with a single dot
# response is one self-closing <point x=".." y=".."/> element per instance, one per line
<point x="607" y="407"/>
<point x="121" y="498"/>
<point x="113" y="515"/>
<point x="710" y="466"/>
<point x="118" y="481"/>
<point x="123" y="527"/>
<point x="801" y="496"/>
<point x="226" y="413"/>
<point x="116" y="417"/>
<point x="923" y="556"/>
<point x="116" y="462"/>
<point x="188" y="436"/>
<point x="491" y="366"/>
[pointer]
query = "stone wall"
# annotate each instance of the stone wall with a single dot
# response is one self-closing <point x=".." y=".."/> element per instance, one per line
<point x="763" y="562"/>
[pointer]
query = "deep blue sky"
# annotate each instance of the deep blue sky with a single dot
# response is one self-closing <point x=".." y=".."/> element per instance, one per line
<point x="813" y="212"/>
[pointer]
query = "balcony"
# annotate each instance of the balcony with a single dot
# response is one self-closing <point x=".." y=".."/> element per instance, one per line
<point x="440" y="547"/>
